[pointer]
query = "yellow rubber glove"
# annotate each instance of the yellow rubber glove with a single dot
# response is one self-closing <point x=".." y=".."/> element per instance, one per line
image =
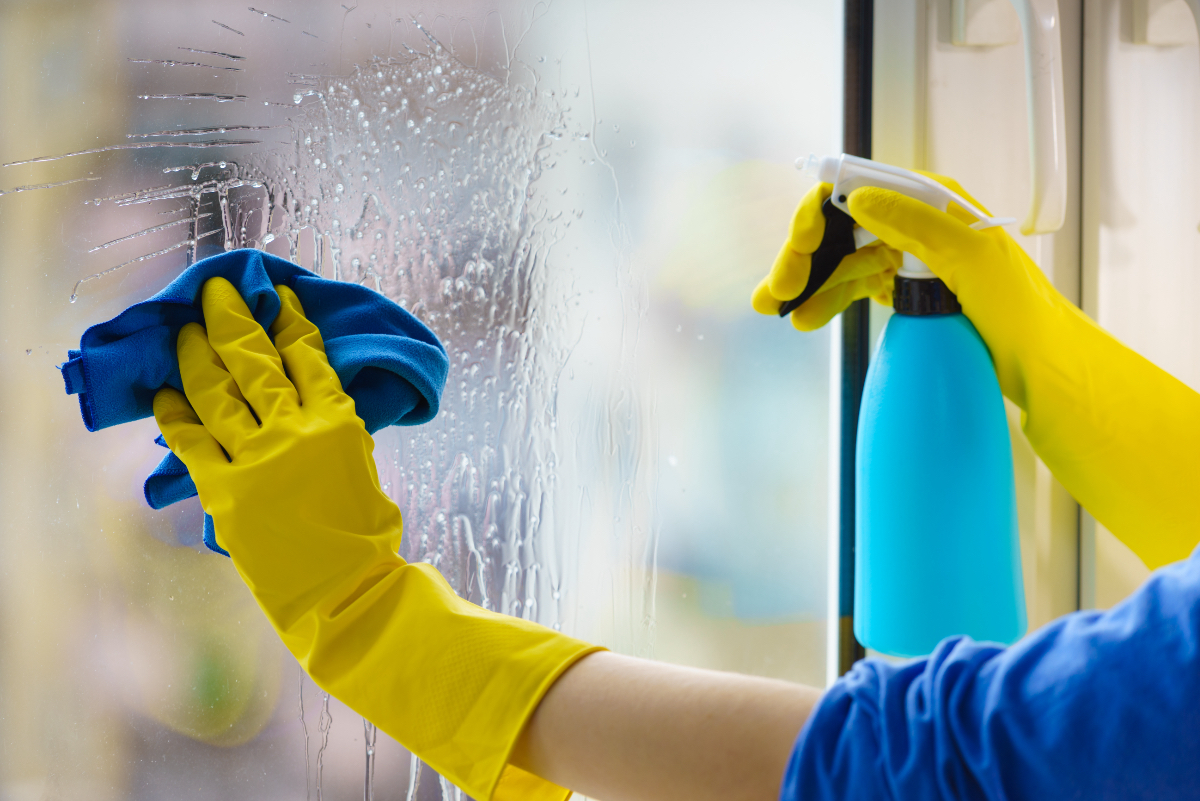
<point x="867" y="273"/>
<point x="1120" y="434"/>
<point x="298" y="505"/>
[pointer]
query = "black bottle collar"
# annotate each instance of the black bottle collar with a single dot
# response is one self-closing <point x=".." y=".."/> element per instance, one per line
<point x="919" y="297"/>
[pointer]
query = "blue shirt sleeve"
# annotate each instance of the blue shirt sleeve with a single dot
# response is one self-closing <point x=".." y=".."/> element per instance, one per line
<point x="1096" y="705"/>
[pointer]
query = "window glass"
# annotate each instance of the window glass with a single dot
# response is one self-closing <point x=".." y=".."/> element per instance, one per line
<point x="577" y="197"/>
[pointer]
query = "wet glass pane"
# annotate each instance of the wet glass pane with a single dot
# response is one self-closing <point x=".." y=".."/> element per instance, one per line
<point x="578" y="198"/>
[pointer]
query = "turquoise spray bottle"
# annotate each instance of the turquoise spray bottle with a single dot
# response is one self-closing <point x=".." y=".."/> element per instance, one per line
<point x="937" y="547"/>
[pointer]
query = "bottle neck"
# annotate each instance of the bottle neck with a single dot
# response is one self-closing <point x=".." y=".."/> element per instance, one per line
<point x="921" y="297"/>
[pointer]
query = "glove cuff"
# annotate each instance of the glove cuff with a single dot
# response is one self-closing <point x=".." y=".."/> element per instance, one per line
<point x="515" y="784"/>
<point x="452" y="682"/>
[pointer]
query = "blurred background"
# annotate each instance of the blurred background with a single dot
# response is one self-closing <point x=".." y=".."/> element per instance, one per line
<point x="660" y="453"/>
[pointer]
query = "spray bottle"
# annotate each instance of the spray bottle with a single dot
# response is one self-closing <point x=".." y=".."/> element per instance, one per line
<point x="937" y="548"/>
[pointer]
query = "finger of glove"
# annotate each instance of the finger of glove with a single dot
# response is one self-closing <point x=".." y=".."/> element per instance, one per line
<point x="875" y="262"/>
<point x="879" y="288"/>
<point x="763" y="301"/>
<point x="822" y="307"/>
<point x="935" y="237"/>
<point x="212" y="391"/>
<point x="303" y="351"/>
<point x="247" y="351"/>
<point x="808" y="223"/>
<point x="789" y="274"/>
<point x="185" y="435"/>
<point x="825" y="305"/>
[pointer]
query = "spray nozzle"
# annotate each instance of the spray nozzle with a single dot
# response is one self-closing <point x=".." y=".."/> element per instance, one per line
<point x="842" y="238"/>
<point x="848" y="173"/>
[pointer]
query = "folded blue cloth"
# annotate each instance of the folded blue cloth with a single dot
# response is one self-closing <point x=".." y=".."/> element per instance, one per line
<point x="388" y="361"/>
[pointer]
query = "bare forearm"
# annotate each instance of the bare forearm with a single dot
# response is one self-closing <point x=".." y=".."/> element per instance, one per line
<point x="622" y="729"/>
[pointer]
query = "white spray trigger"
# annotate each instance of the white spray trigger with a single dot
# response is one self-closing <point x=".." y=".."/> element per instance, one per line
<point x="848" y="173"/>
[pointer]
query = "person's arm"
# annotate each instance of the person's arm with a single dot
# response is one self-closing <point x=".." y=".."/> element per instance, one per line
<point x="284" y="466"/>
<point x="1118" y="432"/>
<point x="1103" y="706"/>
<point x="1096" y="705"/>
<point x="617" y="728"/>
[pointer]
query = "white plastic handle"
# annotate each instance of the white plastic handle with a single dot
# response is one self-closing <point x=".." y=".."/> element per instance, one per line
<point x="1194" y="5"/>
<point x="1041" y="29"/>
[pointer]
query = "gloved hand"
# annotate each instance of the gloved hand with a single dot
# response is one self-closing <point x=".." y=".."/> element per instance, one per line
<point x="1119" y="433"/>
<point x="283" y="464"/>
<point x="867" y="273"/>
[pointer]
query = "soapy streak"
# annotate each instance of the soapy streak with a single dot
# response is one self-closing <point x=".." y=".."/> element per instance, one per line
<point x="174" y="192"/>
<point x="226" y="27"/>
<point x="146" y="257"/>
<point x="151" y="230"/>
<point x="369" y="733"/>
<point x="124" y="196"/>
<point x="30" y="188"/>
<point x="304" y="726"/>
<point x="137" y="146"/>
<point x="414" y="777"/>
<point x="230" y="56"/>
<point x="204" y="131"/>
<point x="196" y="170"/>
<point x="170" y="63"/>
<point x="324" y="723"/>
<point x="197" y="96"/>
<point x="269" y="16"/>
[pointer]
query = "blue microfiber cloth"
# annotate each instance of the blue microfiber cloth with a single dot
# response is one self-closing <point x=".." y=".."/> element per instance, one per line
<point x="388" y="361"/>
